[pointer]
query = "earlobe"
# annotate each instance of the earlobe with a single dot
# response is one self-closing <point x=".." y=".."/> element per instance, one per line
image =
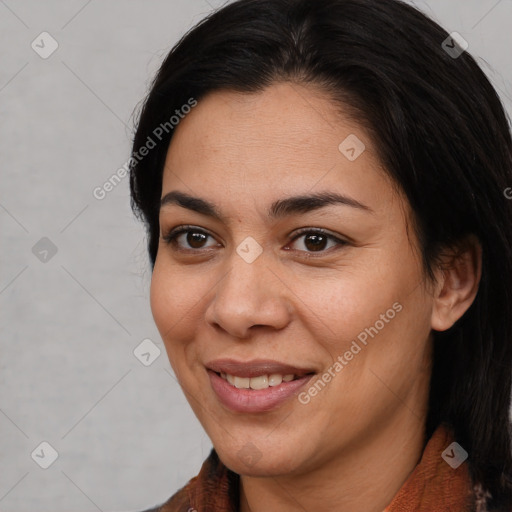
<point x="458" y="283"/>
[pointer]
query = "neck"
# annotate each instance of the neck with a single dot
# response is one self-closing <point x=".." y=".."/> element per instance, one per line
<point x="366" y="478"/>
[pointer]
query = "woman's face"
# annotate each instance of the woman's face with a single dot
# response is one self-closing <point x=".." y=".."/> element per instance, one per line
<point x="258" y="281"/>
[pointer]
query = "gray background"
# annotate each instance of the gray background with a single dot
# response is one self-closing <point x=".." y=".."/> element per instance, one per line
<point x="125" y="436"/>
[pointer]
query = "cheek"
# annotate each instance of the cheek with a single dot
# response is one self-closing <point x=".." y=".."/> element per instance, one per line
<point x="373" y="319"/>
<point x="177" y="305"/>
<point x="384" y="348"/>
<point x="173" y="294"/>
<point x="169" y="306"/>
<point x="165" y="300"/>
<point x="160" y="298"/>
<point x="346" y="307"/>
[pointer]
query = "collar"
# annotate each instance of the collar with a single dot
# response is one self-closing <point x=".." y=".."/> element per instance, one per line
<point x="433" y="486"/>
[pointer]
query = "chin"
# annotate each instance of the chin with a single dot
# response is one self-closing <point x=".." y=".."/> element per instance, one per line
<point x="250" y="460"/>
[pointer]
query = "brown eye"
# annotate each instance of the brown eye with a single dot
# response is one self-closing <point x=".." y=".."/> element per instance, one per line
<point x="314" y="242"/>
<point x="317" y="241"/>
<point x="196" y="239"/>
<point x="188" y="238"/>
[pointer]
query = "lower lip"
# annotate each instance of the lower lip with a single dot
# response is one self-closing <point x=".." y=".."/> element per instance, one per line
<point x="254" y="400"/>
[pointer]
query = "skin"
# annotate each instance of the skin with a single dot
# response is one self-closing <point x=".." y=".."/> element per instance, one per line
<point x="355" y="443"/>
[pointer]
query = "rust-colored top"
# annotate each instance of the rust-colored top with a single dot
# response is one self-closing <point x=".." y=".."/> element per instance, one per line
<point x="433" y="486"/>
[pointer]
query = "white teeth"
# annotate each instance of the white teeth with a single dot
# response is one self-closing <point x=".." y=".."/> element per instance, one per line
<point x="260" y="382"/>
<point x="275" y="379"/>
<point x="242" y="382"/>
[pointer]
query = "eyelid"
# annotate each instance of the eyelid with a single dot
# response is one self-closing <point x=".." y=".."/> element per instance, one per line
<point x="320" y="231"/>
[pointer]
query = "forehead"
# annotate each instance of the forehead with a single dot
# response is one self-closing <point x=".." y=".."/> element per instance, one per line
<point x="286" y="138"/>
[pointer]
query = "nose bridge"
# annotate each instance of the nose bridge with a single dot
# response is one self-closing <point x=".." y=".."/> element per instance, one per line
<point x="249" y="294"/>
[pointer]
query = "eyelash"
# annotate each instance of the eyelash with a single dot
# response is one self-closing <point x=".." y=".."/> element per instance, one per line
<point x="170" y="238"/>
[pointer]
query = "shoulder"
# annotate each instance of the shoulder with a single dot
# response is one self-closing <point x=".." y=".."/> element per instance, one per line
<point x="215" y="488"/>
<point x="178" y="502"/>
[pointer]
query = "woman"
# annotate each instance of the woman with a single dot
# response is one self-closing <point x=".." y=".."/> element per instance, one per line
<point x="323" y="186"/>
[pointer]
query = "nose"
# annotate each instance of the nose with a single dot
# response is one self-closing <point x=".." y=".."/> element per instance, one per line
<point x="249" y="295"/>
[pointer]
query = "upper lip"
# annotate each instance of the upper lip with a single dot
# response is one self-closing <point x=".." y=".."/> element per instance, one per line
<point x="255" y="367"/>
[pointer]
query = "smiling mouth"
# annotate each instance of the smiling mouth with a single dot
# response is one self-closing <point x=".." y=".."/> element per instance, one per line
<point x="261" y="381"/>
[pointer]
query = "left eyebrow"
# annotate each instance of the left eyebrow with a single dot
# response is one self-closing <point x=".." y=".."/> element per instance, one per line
<point x="307" y="203"/>
<point x="279" y="209"/>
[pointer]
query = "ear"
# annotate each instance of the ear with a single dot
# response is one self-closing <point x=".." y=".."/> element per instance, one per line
<point x="458" y="278"/>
